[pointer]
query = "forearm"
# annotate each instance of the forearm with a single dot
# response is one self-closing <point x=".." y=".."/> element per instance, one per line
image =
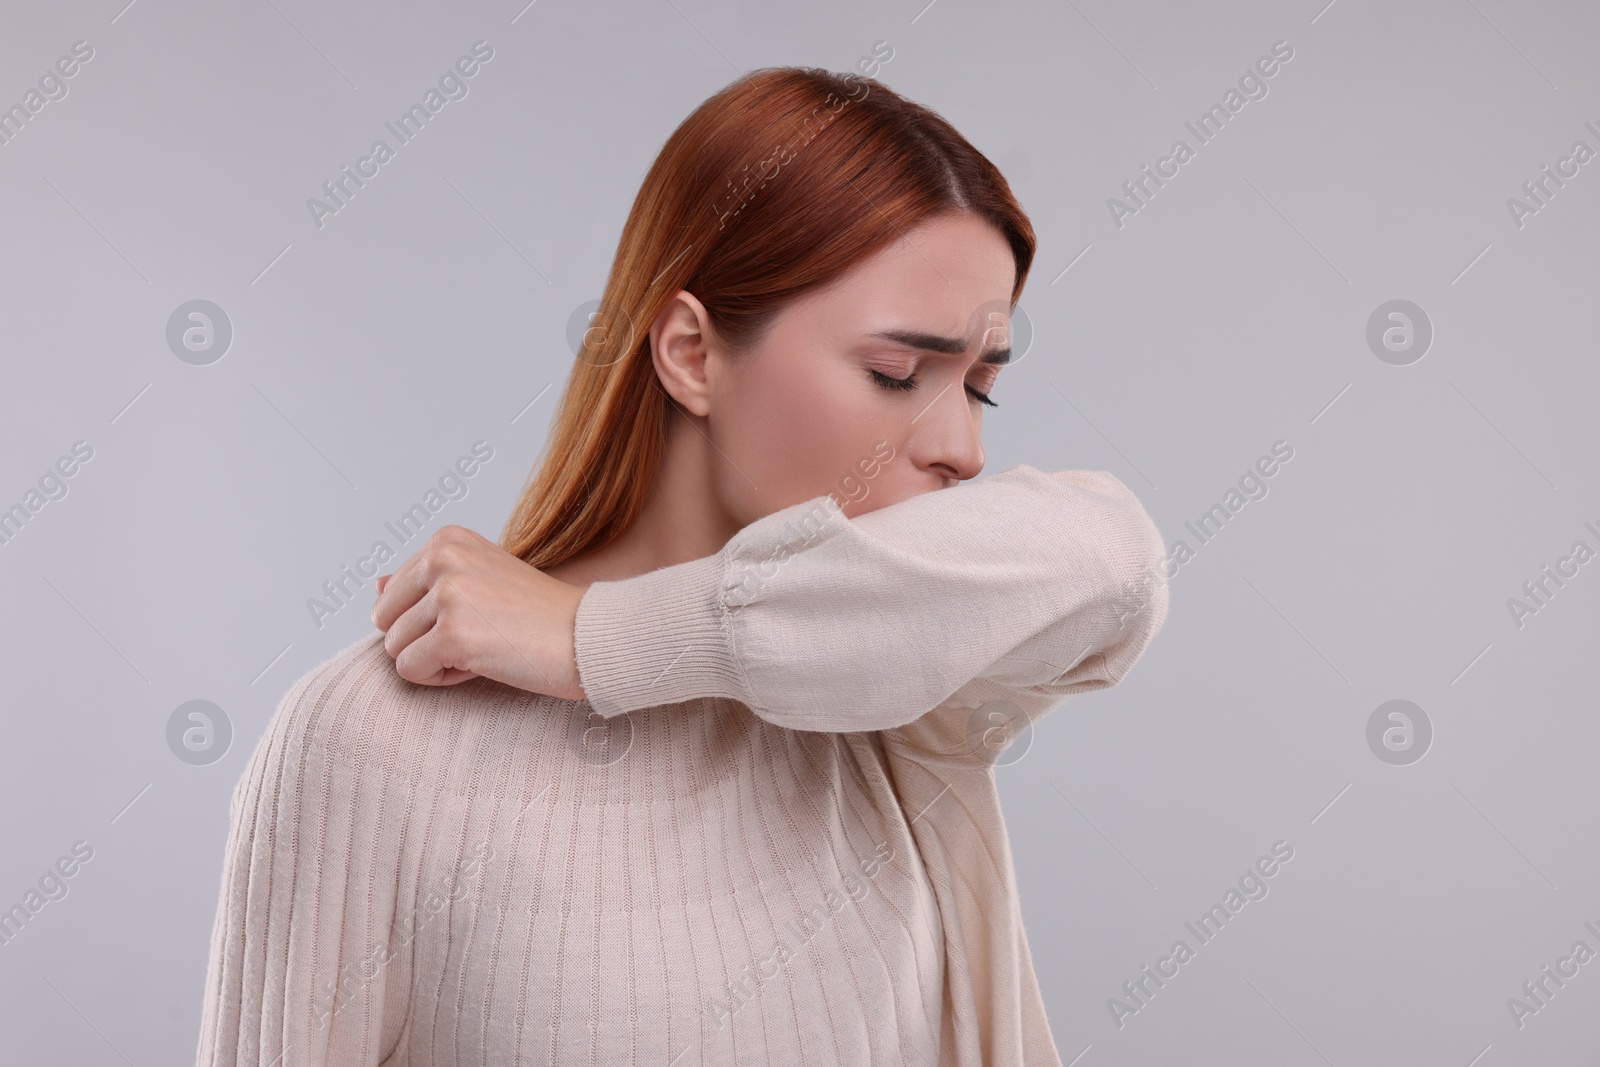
<point x="1038" y="581"/>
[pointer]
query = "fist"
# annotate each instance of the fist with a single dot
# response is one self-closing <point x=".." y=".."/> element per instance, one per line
<point x="463" y="607"/>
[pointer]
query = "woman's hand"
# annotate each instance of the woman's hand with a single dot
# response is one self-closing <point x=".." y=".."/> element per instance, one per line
<point x="462" y="607"/>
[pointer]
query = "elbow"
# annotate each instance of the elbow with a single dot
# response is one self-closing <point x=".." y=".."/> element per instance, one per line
<point x="1134" y="567"/>
<point x="1134" y="571"/>
<point x="1139" y="594"/>
<point x="1137" y="598"/>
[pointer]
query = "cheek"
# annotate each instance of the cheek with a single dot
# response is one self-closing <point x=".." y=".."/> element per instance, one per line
<point x="808" y="427"/>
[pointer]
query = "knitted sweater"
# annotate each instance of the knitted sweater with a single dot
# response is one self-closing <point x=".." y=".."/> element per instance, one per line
<point x="770" y="834"/>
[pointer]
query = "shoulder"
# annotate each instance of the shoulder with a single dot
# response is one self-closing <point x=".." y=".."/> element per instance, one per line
<point x="353" y="712"/>
<point x="336" y="706"/>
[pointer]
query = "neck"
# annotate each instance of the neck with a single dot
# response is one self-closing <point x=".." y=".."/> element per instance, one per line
<point x="683" y="516"/>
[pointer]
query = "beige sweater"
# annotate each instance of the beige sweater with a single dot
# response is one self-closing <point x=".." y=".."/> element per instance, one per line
<point x="770" y="835"/>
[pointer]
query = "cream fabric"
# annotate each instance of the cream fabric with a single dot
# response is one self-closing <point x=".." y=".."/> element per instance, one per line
<point x="770" y="834"/>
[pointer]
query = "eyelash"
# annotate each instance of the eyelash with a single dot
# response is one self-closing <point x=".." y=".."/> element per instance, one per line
<point x="907" y="384"/>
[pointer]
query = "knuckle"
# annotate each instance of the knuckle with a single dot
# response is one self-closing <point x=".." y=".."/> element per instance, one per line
<point x="446" y="556"/>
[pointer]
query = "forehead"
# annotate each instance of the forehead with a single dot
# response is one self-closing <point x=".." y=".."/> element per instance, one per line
<point x="938" y="277"/>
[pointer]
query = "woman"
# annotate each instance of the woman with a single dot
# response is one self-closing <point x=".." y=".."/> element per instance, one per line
<point x="697" y="764"/>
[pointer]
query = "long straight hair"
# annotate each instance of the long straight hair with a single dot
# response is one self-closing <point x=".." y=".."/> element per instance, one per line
<point x="774" y="186"/>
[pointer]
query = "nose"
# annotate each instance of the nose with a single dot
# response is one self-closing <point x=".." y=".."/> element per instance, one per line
<point x="945" y="438"/>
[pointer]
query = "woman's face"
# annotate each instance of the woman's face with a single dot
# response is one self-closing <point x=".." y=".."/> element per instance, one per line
<point x="816" y="408"/>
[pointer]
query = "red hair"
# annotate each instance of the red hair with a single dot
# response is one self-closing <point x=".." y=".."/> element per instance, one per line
<point x="775" y="185"/>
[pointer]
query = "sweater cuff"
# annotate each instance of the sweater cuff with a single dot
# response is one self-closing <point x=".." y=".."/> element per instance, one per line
<point x="657" y="638"/>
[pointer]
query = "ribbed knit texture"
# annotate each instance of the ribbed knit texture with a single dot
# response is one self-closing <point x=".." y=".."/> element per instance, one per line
<point x="770" y="834"/>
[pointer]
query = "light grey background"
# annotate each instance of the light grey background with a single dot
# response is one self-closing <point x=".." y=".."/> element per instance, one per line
<point x="1229" y="313"/>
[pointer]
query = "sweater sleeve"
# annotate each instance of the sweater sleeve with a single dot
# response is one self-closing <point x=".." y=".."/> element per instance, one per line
<point x="299" y="960"/>
<point x="997" y="597"/>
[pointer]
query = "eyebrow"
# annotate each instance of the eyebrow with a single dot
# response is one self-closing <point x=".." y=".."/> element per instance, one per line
<point x="932" y="342"/>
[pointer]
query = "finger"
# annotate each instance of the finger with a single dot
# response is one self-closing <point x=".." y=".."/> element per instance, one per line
<point x="383" y="580"/>
<point x="423" y="660"/>
<point x="412" y="624"/>
<point x="448" y="676"/>
<point x="403" y="589"/>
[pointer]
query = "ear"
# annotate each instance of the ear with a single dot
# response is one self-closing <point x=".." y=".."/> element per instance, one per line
<point x="680" y="342"/>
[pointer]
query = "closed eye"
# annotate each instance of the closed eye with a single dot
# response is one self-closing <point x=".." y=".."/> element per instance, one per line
<point x="909" y="383"/>
<point x="887" y="382"/>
